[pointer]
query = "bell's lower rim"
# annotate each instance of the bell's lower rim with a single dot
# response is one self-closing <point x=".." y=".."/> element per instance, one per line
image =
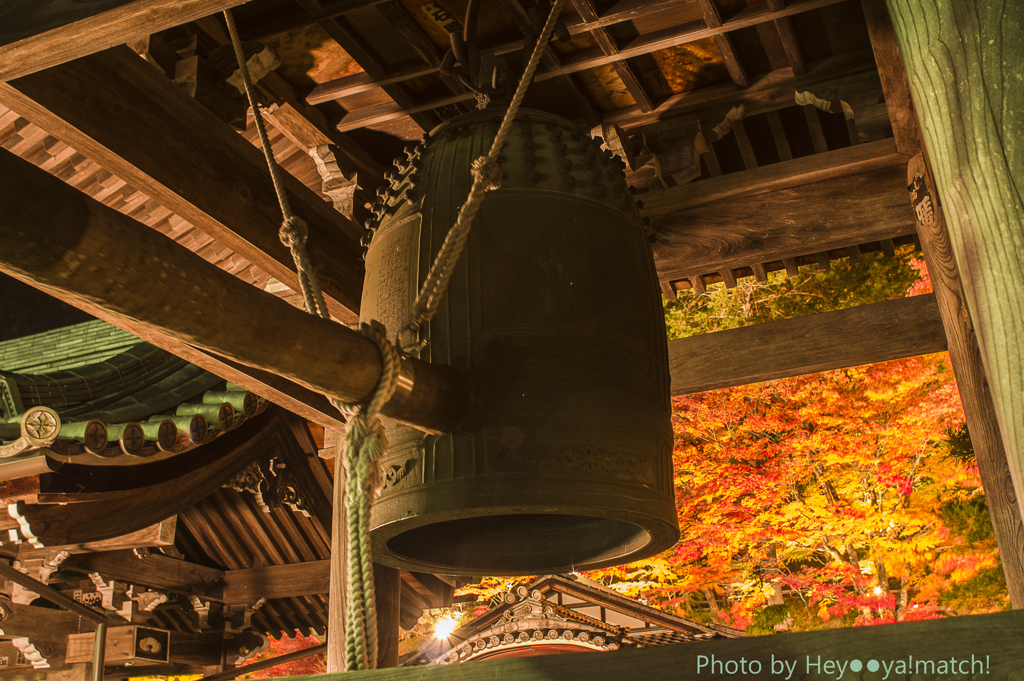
<point x="509" y="542"/>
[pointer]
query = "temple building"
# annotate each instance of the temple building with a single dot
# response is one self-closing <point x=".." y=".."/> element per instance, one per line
<point x="232" y="232"/>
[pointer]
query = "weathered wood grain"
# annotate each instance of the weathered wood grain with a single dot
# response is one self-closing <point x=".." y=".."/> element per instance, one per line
<point x="39" y="34"/>
<point x="387" y="584"/>
<point x="338" y="571"/>
<point x="782" y="223"/>
<point x="117" y="110"/>
<point x="791" y="173"/>
<point x="993" y="640"/>
<point x="965" y="356"/>
<point x="906" y="327"/>
<point x="276" y="581"/>
<point x="156" y="571"/>
<point x="788" y="37"/>
<point x="963" y="60"/>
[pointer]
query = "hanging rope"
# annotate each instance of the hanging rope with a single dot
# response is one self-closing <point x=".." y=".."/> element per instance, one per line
<point x="364" y="438"/>
<point x="365" y="441"/>
<point x="293" y="231"/>
<point x="486" y="176"/>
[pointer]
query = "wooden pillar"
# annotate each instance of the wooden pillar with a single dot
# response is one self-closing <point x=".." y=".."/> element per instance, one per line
<point x="387" y="584"/>
<point x="963" y="61"/>
<point x="338" y="572"/>
<point x="965" y="356"/>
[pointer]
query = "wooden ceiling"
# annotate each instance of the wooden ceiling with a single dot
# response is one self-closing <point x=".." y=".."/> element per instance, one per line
<point x="700" y="100"/>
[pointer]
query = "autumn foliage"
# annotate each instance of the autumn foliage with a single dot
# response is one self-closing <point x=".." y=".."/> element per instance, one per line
<point x="823" y="500"/>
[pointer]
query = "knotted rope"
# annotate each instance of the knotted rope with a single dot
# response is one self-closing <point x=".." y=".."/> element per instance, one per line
<point x="365" y="441"/>
<point x="364" y="438"/>
<point x="486" y="177"/>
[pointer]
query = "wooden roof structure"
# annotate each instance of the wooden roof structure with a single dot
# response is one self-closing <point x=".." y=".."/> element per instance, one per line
<point x="759" y="135"/>
<point x="555" y="614"/>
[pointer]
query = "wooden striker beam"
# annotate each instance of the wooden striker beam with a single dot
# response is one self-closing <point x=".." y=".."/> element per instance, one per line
<point x="963" y="61"/>
<point x="63" y="242"/>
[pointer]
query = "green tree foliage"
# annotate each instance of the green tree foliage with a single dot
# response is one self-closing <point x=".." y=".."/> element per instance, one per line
<point x="875" y="280"/>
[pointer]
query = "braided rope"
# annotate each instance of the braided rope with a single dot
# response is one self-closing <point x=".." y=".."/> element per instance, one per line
<point x="364" y="438"/>
<point x="293" y="231"/>
<point x="486" y="176"/>
<point x="364" y="443"/>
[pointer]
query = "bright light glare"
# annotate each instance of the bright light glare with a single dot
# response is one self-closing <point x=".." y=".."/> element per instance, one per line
<point x="878" y="591"/>
<point x="444" y="627"/>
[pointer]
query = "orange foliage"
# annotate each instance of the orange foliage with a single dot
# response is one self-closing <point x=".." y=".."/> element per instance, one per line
<point x="828" y="485"/>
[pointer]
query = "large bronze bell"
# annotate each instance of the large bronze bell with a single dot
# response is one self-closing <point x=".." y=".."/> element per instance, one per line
<point x="553" y="312"/>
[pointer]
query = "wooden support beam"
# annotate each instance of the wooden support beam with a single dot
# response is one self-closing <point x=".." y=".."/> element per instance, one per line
<point x="788" y="37"/>
<point x="751" y="16"/>
<point x="781" y="223"/>
<point x="301" y="122"/>
<point x="41" y="34"/>
<point x="779" y="136"/>
<point x="987" y="646"/>
<point x="137" y="274"/>
<point x="276" y="581"/>
<point x="739" y="131"/>
<point x="155" y="570"/>
<point x="623" y="10"/>
<point x="551" y="60"/>
<point x="894" y="78"/>
<point x="26" y="620"/>
<point x="604" y="40"/>
<point x="387" y="585"/>
<point x="117" y="110"/>
<point x="814" y="125"/>
<point x="879" y="332"/>
<point x="713" y="19"/>
<point x="850" y="75"/>
<point x="965" y="356"/>
<point x="962" y="61"/>
<point x="355" y="47"/>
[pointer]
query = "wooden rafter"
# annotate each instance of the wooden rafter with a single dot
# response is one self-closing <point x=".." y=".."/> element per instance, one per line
<point x="38" y="35"/>
<point x="788" y="37"/>
<point x="608" y="46"/>
<point x="848" y="72"/>
<point x="713" y="19"/>
<point x="894" y="78"/>
<point x="301" y="122"/>
<point x="551" y="60"/>
<point x="573" y="64"/>
<point x="363" y="55"/>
